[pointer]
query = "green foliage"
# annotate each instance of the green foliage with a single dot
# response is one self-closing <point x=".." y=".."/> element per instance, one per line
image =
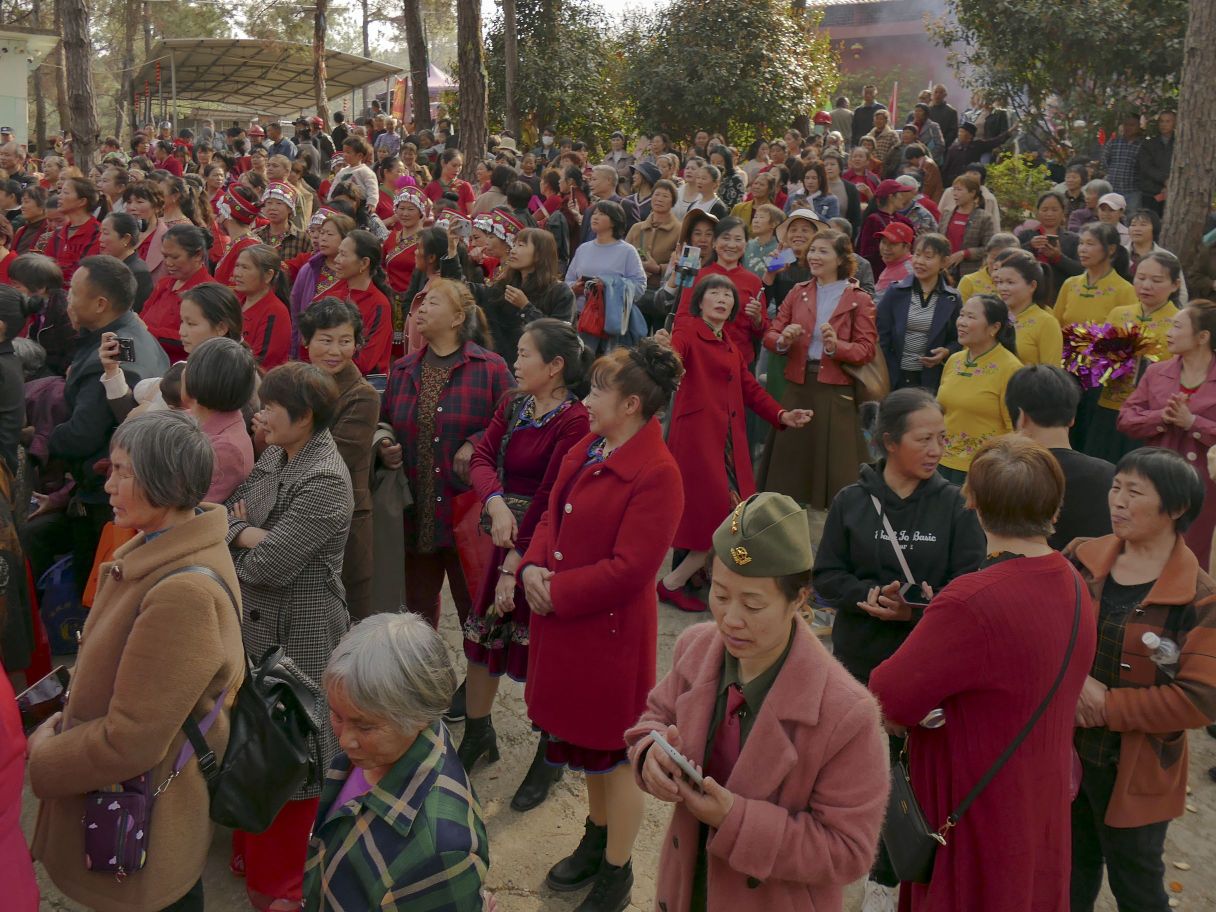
<point x="738" y="66"/>
<point x="1059" y="62"/>
<point x="1016" y="182"/>
<point x="571" y="66"/>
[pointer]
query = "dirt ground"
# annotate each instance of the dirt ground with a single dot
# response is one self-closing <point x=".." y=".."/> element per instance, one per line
<point x="524" y="846"/>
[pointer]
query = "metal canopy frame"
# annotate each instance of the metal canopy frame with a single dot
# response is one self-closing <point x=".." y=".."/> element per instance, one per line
<point x="270" y="77"/>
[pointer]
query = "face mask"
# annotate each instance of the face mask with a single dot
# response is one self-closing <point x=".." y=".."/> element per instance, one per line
<point x="546" y="140"/>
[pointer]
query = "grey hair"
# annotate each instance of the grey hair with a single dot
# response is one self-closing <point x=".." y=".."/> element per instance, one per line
<point x="1001" y="241"/>
<point x="31" y="354"/>
<point x="171" y="457"/>
<point x="395" y="667"/>
<point x="1098" y="186"/>
<point x="605" y="171"/>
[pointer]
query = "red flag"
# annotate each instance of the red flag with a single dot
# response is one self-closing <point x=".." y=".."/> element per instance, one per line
<point x="893" y="107"/>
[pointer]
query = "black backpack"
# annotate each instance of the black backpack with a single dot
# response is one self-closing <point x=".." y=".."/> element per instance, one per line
<point x="273" y="740"/>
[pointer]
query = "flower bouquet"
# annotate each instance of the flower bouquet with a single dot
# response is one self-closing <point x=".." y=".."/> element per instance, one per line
<point x="1100" y="353"/>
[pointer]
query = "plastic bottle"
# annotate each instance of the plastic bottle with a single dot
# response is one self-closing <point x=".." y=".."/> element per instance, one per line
<point x="1163" y="651"/>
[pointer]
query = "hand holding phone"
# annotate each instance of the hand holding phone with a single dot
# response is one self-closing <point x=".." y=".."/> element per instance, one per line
<point x="42" y="700"/>
<point x="683" y="764"/>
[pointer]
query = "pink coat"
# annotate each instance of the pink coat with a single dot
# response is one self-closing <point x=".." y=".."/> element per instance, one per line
<point x="810" y="785"/>
<point x="16" y="869"/>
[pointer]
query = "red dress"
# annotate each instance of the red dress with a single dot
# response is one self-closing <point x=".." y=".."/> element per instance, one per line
<point x="375" y="355"/>
<point x="162" y="312"/>
<point x="227" y="261"/>
<point x="746" y="335"/>
<point x="986" y="652"/>
<point x="464" y="190"/>
<point x="266" y="329"/>
<point x="708" y="433"/>
<point x="400" y="260"/>
<point x="69" y="246"/>
<point x="591" y="662"/>
<point x="534" y="453"/>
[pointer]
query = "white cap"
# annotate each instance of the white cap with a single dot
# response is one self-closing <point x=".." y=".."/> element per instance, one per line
<point x="1114" y="200"/>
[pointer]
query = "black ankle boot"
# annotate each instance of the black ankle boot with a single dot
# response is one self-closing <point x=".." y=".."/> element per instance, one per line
<point x="535" y="788"/>
<point x="577" y="870"/>
<point x="479" y="738"/>
<point x="456" y="712"/>
<point x="612" y="889"/>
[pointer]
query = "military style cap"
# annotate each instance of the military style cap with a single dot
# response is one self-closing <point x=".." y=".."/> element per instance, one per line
<point x="766" y="535"/>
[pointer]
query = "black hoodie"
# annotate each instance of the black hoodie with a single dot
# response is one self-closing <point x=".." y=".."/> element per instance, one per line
<point x="941" y="539"/>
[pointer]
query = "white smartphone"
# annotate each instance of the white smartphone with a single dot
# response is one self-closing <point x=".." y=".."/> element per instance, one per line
<point x="681" y="761"/>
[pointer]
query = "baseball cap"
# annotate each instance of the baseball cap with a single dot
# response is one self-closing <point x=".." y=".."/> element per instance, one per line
<point x="6" y="131"/>
<point x="887" y="188"/>
<point x="316" y="121"/>
<point x="1114" y="201"/>
<point x="898" y="233"/>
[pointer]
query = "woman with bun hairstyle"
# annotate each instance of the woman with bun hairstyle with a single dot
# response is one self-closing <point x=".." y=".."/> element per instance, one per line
<point x="361" y="281"/>
<point x="513" y="469"/>
<point x="588" y="576"/>
<point x="120" y="239"/>
<point x="821" y="325"/>
<point x="185" y="256"/>
<point x="238" y="210"/>
<point x="708" y="435"/>
<point x="145" y="201"/>
<point x="1023" y="284"/>
<point x="258" y="283"/>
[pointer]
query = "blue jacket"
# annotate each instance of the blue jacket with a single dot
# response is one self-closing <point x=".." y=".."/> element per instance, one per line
<point x="893" y="326"/>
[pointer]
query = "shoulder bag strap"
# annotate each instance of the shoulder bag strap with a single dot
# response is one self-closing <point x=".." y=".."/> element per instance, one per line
<point x="899" y="552"/>
<point x="196" y="743"/>
<point x="513" y="412"/>
<point x="953" y="819"/>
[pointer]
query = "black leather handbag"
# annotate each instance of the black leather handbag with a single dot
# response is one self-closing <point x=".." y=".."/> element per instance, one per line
<point x="910" y="841"/>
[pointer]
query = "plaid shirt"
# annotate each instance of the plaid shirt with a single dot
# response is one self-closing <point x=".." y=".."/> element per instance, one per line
<point x="478" y="380"/>
<point x="415" y="842"/>
<point x="290" y="245"/>
<point x="1119" y="159"/>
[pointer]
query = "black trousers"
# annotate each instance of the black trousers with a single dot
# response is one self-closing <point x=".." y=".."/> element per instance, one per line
<point x="883" y="872"/>
<point x="46" y="537"/>
<point x="1133" y="857"/>
<point x="191" y="902"/>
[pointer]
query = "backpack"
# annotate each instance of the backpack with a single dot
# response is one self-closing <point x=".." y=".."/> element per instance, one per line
<point x="560" y="229"/>
<point x="273" y="740"/>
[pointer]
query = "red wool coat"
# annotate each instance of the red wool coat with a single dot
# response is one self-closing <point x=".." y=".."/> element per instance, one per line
<point x="709" y="417"/>
<point x="810" y="785"/>
<point x="591" y="662"/>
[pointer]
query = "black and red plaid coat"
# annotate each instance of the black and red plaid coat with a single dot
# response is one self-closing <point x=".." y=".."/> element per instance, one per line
<point x="475" y="386"/>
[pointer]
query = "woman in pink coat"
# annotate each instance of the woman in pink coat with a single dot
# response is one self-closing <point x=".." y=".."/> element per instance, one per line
<point x="16" y="869"/>
<point x="1174" y="407"/>
<point x="708" y="433"/>
<point x="796" y="773"/>
<point x="588" y="575"/>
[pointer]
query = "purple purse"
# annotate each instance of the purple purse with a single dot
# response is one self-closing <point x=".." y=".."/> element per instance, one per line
<point x="116" y="820"/>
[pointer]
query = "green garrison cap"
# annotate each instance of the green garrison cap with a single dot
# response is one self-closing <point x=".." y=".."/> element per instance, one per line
<point x="768" y="534"/>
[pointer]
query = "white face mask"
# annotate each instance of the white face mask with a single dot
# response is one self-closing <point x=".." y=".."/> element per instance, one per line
<point x="546" y="140"/>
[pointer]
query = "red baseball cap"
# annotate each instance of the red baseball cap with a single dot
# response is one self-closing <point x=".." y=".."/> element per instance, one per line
<point x="822" y="117"/>
<point x="256" y="130"/>
<point x="316" y="121"/>
<point x="898" y="233"/>
<point x="888" y="188"/>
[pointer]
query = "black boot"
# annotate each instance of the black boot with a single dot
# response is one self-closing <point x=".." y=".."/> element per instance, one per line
<point x="612" y="889"/>
<point x="577" y="870"/>
<point x="535" y="787"/>
<point x="456" y="712"/>
<point x="479" y="738"/>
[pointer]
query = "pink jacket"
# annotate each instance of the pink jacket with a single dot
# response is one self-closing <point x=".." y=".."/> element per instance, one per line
<point x="810" y="785"/>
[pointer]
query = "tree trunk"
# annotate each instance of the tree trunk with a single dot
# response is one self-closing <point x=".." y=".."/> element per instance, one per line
<point x="547" y="30"/>
<point x="126" y="98"/>
<point x="367" y="47"/>
<point x="40" y="82"/>
<point x="319" y="26"/>
<point x="511" y="52"/>
<point x="59" y="69"/>
<point x="472" y="84"/>
<point x="420" y="64"/>
<point x="78" y="56"/>
<point x="1192" y="177"/>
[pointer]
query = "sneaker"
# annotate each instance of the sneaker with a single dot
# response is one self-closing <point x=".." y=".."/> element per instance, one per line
<point x="878" y="898"/>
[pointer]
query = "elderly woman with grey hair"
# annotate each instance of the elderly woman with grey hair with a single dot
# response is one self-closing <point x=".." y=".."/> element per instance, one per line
<point x="398" y="824"/>
<point x="161" y="643"/>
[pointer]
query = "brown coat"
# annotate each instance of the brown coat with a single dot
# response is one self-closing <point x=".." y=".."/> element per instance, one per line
<point x="1152" y="713"/>
<point x="353" y="426"/>
<point x="149" y="656"/>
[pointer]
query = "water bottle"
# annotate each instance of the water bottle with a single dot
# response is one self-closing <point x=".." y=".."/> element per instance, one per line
<point x="935" y="719"/>
<point x="1163" y="651"/>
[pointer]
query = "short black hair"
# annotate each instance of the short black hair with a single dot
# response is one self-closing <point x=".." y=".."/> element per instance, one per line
<point x="300" y="389"/>
<point x="37" y="272"/>
<point x="1046" y="393"/>
<point x="706" y="285"/>
<point x="111" y="279"/>
<point x="616" y="213"/>
<point x="330" y="313"/>
<point x="221" y="375"/>
<point x="1176" y="481"/>
<point x="501" y="176"/>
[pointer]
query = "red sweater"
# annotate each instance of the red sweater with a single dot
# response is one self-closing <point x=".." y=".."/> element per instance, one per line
<point x="227" y="262"/>
<point x="267" y="331"/>
<point x="162" y="312"/>
<point x="69" y="246"/>
<point x="435" y="191"/>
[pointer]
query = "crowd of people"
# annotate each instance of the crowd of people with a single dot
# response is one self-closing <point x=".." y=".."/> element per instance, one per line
<point x="264" y="391"/>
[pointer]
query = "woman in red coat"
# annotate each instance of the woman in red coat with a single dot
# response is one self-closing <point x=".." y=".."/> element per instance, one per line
<point x="512" y="470"/>
<point x="708" y="435"/>
<point x="238" y="210"/>
<point x="589" y="579"/>
<point x="986" y="653"/>
<point x="361" y="281"/>
<point x="747" y="327"/>
<point x="413" y="211"/>
<point x="185" y="251"/>
<point x="266" y="327"/>
<point x="80" y="234"/>
<point x="16" y="869"/>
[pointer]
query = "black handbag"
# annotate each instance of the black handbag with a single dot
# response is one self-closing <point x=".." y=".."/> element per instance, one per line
<point x="910" y="841"/>
<point x="273" y="739"/>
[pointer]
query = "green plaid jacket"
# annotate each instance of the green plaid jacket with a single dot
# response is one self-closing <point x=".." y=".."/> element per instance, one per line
<point x="415" y="842"/>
